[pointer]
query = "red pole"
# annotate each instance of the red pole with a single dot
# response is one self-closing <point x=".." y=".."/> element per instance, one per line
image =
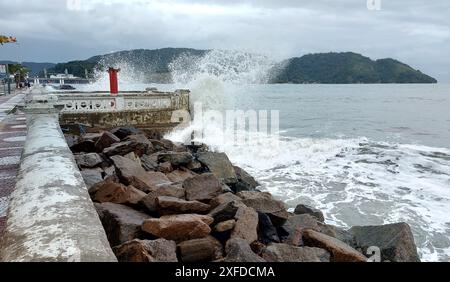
<point x="113" y="83"/>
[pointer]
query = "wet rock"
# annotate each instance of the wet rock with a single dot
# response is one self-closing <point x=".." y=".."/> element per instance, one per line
<point x="225" y="225"/>
<point x="125" y="131"/>
<point x="92" y="176"/>
<point x="86" y="146"/>
<point x="121" y="223"/>
<point x="245" y="182"/>
<point x="141" y="139"/>
<point x="180" y="175"/>
<point x="195" y="166"/>
<point x="106" y="140"/>
<point x="395" y="241"/>
<point x="267" y="233"/>
<point x="202" y="187"/>
<point x="341" y="234"/>
<point x="305" y="209"/>
<point x="176" y="158"/>
<point x="264" y="202"/>
<point x="224" y="212"/>
<point x="170" y="205"/>
<point x="109" y="191"/>
<point x="224" y="198"/>
<point x="165" y="167"/>
<point x="238" y="250"/>
<point x="246" y="224"/>
<point x="340" y="252"/>
<point x="180" y="227"/>
<point x="88" y="160"/>
<point x="294" y="238"/>
<point x="160" y="250"/>
<point x="133" y="174"/>
<point x="91" y="136"/>
<point x="200" y="250"/>
<point x="277" y="252"/>
<point x="219" y="165"/>
<point x="125" y="147"/>
<point x="148" y="163"/>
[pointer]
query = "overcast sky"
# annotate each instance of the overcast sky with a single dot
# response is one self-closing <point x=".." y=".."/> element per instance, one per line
<point x="415" y="32"/>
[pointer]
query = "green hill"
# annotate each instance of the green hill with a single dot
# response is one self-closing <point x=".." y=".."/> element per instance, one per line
<point x="346" y="67"/>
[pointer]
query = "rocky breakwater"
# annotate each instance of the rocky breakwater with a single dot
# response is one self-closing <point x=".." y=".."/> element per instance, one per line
<point x="165" y="202"/>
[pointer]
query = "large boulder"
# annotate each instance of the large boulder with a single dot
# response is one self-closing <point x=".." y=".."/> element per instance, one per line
<point x="305" y="209"/>
<point x="133" y="174"/>
<point x="245" y="182"/>
<point x="224" y="198"/>
<point x="88" y="160"/>
<point x="246" y="224"/>
<point x="141" y="139"/>
<point x="180" y="227"/>
<point x="160" y="250"/>
<point x="264" y="202"/>
<point x="238" y="250"/>
<point x="121" y="223"/>
<point x="170" y="190"/>
<point x="110" y="191"/>
<point x="180" y="175"/>
<point x="267" y="233"/>
<point x="85" y="146"/>
<point x="149" y="163"/>
<point x="202" y="187"/>
<point x="395" y="241"/>
<point x="219" y="165"/>
<point x="176" y="158"/>
<point x="200" y="250"/>
<point x="224" y="212"/>
<point x="125" y="147"/>
<point x="340" y="252"/>
<point x="105" y="141"/>
<point x="171" y="205"/>
<point x="224" y="226"/>
<point x="287" y="253"/>
<point x="92" y="176"/>
<point x="125" y="131"/>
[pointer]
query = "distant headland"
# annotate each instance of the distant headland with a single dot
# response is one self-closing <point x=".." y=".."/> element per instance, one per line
<point x="326" y="68"/>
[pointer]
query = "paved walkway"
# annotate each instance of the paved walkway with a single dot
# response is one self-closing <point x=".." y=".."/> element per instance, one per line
<point x="12" y="138"/>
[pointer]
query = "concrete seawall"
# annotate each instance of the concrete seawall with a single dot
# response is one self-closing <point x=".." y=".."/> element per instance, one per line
<point x="51" y="217"/>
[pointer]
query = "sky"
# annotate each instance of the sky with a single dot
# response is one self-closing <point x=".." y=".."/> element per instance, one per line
<point x="412" y="31"/>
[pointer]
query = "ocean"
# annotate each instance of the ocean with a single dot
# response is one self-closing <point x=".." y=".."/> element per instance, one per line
<point x="364" y="154"/>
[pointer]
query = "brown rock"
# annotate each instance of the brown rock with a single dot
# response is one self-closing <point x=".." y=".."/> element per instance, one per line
<point x="224" y="198"/>
<point x="180" y="227"/>
<point x="224" y="212"/>
<point x="141" y="139"/>
<point x="264" y="202"/>
<point x="340" y="252"/>
<point x="133" y="174"/>
<point x="201" y="250"/>
<point x="132" y="156"/>
<point x="305" y="209"/>
<point x="123" y="132"/>
<point x="125" y="147"/>
<point x="165" y="167"/>
<point x="171" y="190"/>
<point x="176" y="158"/>
<point x="170" y="205"/>
<point x="225" y="225"/>
<point x="238" y="250"/>
<point x="109" y="191"/>
<point x="160" y="250"/>
<point x="105" y="141"/>
<point x="245" y="182"/>
<point x="286" y="253"/>
<point x="194" y="166"/>
<point x="202" y="187"/>
<point x="219" y="165"/>
<point x="246" y="224"/>
<point x="94" y="136"/>
<point x="121" y="223"/>
<point x="180" y="175"/>
<point x="149" y="163"/>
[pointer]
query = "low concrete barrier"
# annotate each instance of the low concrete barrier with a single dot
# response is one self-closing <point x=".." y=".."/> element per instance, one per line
<point x="51" y="216"/>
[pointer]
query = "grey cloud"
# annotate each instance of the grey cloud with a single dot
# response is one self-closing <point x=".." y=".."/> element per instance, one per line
<point x="413" y="31"/>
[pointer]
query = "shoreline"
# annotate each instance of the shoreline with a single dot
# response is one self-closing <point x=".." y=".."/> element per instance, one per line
<point x="196" y="206"/>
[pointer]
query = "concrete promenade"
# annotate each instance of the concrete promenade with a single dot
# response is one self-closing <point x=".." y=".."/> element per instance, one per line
<point x="12" y="138"/>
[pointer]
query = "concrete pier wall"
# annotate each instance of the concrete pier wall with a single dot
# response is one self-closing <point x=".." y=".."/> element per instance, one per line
<point x="51" y="216"/>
